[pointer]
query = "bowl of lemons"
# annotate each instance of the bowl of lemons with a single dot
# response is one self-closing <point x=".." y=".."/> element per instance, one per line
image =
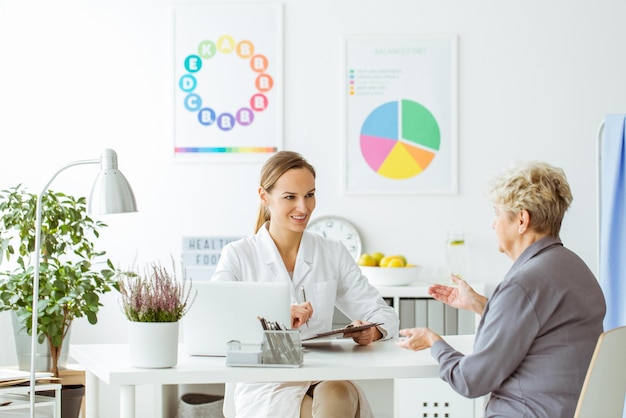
<point x="388" y="270"/>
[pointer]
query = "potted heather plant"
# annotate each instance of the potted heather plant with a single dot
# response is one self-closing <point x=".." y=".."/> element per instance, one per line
<point x="154" y="300"/>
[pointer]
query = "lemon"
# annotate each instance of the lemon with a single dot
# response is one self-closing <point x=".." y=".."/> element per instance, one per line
<point x="377" y="256"/>
<point x="384" y="261"/>
<point x="401" y="257"/>
<point x="395" y="262"/>
<point x="366" y="260"/>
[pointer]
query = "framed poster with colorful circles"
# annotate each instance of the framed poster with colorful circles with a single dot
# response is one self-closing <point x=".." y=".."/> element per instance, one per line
<point x="400" y="97"/>
<point x="227" y="82"/>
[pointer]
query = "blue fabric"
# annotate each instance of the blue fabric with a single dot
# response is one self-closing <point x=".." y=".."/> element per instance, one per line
<point x="612" y="220"/>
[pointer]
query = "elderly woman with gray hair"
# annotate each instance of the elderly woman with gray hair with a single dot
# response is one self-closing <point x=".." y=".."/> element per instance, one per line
<point x="539" y="328"/>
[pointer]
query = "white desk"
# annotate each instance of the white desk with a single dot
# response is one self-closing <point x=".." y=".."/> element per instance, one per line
<point x="323" y="360"/>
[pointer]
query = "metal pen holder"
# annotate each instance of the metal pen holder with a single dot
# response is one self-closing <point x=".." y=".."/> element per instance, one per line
<point x="282" y="348"/>
<point x="278" y="349"/>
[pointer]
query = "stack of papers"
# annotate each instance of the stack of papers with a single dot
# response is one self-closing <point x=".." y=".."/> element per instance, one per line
<point x="10" y="377"/>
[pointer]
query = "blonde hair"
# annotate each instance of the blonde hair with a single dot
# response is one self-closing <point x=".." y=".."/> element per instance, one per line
<point x="277" y="165"/>
<point x="537" y="187"/>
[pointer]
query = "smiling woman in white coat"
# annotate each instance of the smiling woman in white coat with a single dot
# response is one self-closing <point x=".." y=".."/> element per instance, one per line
<point x="281" y="250"/>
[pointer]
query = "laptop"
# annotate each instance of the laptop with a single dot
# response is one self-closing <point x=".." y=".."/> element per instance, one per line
<point x="225" y="311"/>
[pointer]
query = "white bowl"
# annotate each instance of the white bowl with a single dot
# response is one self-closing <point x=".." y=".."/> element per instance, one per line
<point x="391" y="276"/>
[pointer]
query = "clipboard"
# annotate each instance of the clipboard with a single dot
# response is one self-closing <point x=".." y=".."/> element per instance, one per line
<point x="348" y="329"/>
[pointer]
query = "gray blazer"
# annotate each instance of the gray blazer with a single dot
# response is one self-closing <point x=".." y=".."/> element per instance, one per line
<point x="535" y="338"/>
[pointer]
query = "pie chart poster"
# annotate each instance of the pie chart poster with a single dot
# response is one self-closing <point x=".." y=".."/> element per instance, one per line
<point x="401" y="133"/>
<point x="227" y="82"/>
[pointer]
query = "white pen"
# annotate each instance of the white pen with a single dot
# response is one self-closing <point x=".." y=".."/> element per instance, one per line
<point x="304" y="300"/>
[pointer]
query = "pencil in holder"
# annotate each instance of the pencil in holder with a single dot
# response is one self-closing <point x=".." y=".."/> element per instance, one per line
<point x="282" y="348"/>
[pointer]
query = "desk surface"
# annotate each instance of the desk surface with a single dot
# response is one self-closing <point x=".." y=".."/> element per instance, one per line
<point x="336" y="359"/>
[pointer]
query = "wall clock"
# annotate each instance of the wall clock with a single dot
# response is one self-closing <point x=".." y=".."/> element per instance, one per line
<point x="339" y="229"/>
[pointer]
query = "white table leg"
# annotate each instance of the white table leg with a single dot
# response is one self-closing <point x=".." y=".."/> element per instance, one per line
<point x="169" y="399"/>
<point x="127" y="401"/>
<point x="57" y="403"/>
<point x="92" y="407"/>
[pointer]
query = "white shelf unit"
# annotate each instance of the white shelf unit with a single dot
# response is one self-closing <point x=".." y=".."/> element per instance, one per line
<point x="417" y="309"/>
<point x="19" y="396"/>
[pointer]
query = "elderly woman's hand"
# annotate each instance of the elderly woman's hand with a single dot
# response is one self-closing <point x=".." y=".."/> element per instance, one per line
<point x="417" y="338"/>
<point x="460" y="297"/>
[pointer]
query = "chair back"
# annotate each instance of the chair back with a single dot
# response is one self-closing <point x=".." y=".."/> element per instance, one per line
<point x="604" y="390"/>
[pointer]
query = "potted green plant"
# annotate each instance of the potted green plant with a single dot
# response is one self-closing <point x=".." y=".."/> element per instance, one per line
<point x="154" y="300"/>
<point x="73" y="273"/>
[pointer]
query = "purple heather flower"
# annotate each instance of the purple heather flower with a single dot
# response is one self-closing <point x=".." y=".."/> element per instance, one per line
<point x="156" y="295"/>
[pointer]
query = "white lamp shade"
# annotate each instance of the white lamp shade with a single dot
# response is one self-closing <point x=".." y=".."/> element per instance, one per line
<point x="111" y="192"/>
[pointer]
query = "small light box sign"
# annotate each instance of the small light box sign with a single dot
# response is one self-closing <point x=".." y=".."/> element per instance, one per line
<point x="201" y="254"/>
<point x="206" y="243"/>
<point x="201" y="259"/>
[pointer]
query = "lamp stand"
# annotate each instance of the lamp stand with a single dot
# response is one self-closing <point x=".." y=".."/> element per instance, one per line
<point x="108" y="161"/>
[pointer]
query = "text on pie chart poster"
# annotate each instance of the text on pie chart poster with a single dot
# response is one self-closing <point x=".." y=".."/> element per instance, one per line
<point x="227" y="82"/>
<point x="401" y="115"/>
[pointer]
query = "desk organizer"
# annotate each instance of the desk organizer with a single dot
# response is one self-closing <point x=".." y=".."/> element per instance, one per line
<point x="279" y="349"/>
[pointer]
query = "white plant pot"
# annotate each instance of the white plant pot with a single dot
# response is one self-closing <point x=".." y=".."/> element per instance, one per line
<point x="153" y="344"/>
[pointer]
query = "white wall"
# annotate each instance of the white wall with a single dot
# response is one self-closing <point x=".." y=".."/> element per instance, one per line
<point x="535" y="80"/>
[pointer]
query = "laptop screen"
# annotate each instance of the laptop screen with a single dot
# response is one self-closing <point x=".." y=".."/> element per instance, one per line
<point x="225" y="311"/>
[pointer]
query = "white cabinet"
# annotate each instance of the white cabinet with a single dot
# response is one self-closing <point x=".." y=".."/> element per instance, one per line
<point x="417" y="309"/>
<point x="19" y="401"/>
<point x="430" y="398"/>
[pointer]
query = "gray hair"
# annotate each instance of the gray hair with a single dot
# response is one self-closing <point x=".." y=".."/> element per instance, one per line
<point x="536" y="187"/>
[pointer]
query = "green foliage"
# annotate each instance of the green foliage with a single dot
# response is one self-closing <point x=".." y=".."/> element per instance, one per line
<point x="70" y="283"/>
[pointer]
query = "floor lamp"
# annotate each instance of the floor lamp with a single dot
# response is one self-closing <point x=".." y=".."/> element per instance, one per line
<point x="111" y="193"/>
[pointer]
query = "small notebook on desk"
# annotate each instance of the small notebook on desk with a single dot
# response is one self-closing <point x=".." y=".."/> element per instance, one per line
<point x="10" y="377"/>
<point x="346" y="329"/>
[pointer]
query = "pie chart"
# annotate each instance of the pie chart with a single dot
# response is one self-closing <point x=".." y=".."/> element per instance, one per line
<point x="400" y="139"/>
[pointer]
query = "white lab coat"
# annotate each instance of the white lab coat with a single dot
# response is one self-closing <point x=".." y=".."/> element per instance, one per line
<point x="331" y="278"/>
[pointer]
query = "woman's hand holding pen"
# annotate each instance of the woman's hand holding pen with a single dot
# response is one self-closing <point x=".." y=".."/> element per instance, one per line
<point x="300" y="314"/>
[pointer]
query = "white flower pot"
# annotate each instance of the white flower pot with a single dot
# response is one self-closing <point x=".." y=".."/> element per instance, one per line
<point x="153" y="344"/>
